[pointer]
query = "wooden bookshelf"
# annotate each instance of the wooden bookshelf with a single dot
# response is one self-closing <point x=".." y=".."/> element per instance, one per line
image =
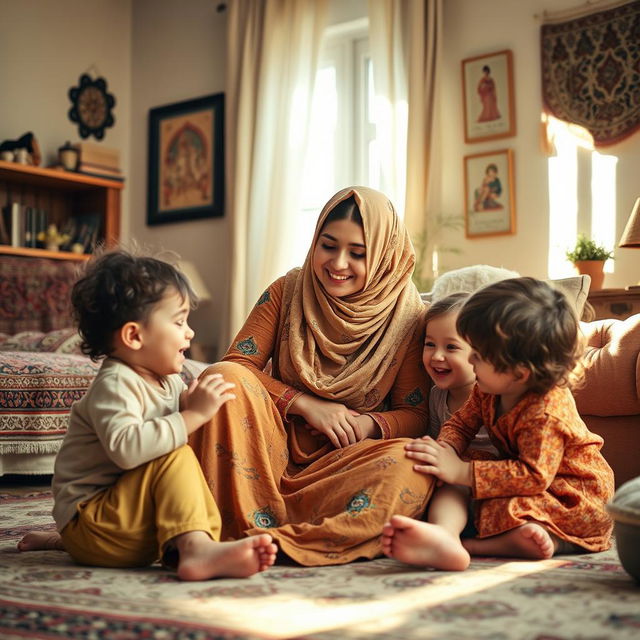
<point x="63" y="194"/>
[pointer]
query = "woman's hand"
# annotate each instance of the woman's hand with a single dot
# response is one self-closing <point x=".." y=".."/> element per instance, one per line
<point x="439" y="459"/>
<point x="331" y="419"/>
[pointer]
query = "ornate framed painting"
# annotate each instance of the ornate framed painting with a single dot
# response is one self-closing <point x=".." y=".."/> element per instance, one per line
<point x="186" y="160"/>
<point x="489" y="194"/>
<point x="488" y="97"/>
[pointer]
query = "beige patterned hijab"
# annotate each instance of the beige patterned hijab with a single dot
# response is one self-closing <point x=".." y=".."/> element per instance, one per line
<point x="344" y="348"/>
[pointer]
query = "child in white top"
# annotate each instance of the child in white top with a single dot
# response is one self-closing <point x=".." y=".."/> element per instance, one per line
<point x="128" y="489"/>
<point x="446" y="359"/>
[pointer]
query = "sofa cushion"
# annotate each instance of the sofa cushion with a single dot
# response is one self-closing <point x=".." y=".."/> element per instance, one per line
<point x="470" y="279"/>
<point x="611" y="385"/>
<point x="58" y="341"/>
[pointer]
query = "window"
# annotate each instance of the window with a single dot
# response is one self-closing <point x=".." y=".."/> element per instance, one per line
<point x="342" y="147"/>
<point x="582" y="195"/>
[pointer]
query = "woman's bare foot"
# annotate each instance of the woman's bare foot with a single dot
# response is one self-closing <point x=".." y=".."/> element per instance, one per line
<point x="39" y="540"/>
<point x="423" y="544"/>
<point x="201" y="558"/>
<point x="529" y="540"/>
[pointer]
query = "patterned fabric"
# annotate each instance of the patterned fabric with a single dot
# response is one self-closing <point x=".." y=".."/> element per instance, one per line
<point x="36" y="394"/>
<point x="551" y="470"/>
<point x="35" y="294"/>
<point x="591" y="72"/>
<point x="44" y="594"/>
<point x="322" y="505"/>
<point x="59" y="341"/>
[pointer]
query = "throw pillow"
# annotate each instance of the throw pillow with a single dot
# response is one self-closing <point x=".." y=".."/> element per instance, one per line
<point x="58" y="341"/>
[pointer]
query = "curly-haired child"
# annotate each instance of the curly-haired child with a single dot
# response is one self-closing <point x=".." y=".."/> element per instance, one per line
<point x="128" y="490"/>
<point x="546" y="493"/>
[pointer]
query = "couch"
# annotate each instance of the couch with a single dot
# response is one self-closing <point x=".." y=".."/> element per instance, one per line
<point x="42" y="371"/>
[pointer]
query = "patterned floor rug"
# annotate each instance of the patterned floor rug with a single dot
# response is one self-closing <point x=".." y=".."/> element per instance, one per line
<point x="45" y="595"/>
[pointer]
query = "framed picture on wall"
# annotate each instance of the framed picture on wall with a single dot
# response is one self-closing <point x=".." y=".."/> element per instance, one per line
<point x="487" y="91"/>
<point x="186" y="160"/>
<point x="489" y="194"/>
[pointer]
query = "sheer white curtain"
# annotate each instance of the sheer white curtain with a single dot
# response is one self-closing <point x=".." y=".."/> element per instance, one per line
<point x="406" y="40"/>
<point x="272" y="51"/>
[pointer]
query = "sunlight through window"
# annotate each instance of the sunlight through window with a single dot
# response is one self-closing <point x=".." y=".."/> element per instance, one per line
<point x="582" y="194"/>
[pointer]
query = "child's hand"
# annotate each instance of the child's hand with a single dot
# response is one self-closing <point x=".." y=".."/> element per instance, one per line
<point x="202" y="400"/>
<point x="439" y="459"/>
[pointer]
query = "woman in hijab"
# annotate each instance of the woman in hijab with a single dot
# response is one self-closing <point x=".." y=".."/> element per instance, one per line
<point x="314" y="449"/>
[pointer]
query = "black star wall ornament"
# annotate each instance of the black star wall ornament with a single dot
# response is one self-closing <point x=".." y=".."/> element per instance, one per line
<point x="92" y="106"/>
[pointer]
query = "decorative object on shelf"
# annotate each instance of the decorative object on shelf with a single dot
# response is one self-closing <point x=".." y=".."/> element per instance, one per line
<point x="489" y="194"/>
<point x="27" y="142"/>
<point x="631" y="234"/>
<point x="589" y="258"/>
<point x="68" y="156"/>
<point x="52" y="238"/>
<point x="186" y="160"/>
<point x="487" y="90"/>
<point x="590" y="71"/>
<point x="92" y="106"/>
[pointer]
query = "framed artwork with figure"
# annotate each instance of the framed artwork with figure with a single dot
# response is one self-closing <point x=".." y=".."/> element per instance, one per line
<point x="489" y="194"/>
<point x="186" y="160"/>
<point x="488" y="97"/>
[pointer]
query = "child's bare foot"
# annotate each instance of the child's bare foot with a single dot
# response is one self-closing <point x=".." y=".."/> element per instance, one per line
<point x="529" y="540"/>
<point x="39" y="540"/>
<point x="201" y="558"/>
<point x="423" y="544"/>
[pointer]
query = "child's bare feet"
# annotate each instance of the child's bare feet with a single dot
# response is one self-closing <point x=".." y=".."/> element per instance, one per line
<point x="423" y="544"/>
<point x="201" y="558"/>
<point x="529" y="540"/>
<point x="38" y="540"/>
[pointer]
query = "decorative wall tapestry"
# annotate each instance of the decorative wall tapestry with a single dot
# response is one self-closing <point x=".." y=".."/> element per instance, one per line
<point x="591" y="72"/>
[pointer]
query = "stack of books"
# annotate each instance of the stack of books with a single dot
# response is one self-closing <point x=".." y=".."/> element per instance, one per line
<point x="97" y="160"/>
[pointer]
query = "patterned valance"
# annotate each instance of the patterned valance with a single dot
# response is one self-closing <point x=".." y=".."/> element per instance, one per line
<point x="591" y="72"/>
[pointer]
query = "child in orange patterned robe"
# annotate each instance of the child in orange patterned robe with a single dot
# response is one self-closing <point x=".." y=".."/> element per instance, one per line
<point x="547" y="492"/>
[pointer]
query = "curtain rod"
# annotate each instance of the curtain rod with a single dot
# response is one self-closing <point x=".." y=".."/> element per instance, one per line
<point x="584" y="9"/>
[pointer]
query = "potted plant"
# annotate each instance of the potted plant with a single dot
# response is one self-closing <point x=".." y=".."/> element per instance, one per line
<point x="589" y="258"/>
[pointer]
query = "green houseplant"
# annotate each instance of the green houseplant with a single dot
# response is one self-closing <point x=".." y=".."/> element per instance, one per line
<point x="589" y="258"/>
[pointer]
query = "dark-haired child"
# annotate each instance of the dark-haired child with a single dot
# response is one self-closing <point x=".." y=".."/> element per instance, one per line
<point x="547" y="492"/>
<point x="128" y="490"/>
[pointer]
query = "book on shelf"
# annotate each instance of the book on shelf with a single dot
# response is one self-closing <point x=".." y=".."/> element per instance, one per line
<point x="83" y="229"/>
<point x="95" y="173"/>
<point x="98" y="154"/>
<point x="20" y="225"/>
<point x="5" y="229"/>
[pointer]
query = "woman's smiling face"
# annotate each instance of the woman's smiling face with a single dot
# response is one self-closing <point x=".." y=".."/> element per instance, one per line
<point x="339" y="258"/>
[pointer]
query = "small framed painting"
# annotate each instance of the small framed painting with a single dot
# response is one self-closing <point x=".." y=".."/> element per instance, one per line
<point x="487" y="90"/>
<point x="489" y="194"/>
<point x="186" y="160"/>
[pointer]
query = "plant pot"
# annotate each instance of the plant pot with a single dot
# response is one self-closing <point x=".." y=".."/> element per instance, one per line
<point x="593" y="268"/>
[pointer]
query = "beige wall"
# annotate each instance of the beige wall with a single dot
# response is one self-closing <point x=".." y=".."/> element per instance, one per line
<point x="475" y="28"/>
<point x="178" y="54"/>
<point x="44" y="48"/>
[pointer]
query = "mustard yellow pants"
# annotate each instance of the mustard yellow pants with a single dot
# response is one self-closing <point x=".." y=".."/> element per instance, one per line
<point x="130" y="523"/>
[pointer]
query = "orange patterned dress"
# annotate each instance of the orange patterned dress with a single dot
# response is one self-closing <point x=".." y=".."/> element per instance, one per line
<point x="550" y="468"/>
<point x="267" y="472"/>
